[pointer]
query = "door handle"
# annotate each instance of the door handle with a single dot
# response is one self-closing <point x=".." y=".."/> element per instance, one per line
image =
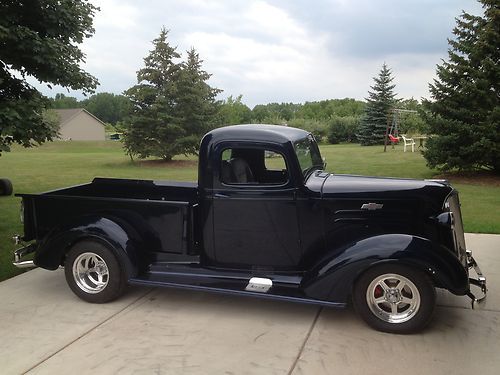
<point x="219" y="195"/>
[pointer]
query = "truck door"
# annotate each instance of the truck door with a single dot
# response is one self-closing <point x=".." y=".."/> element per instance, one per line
<point x="255" y="220"/>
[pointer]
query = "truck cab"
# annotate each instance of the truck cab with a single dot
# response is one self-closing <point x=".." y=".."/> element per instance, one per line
<point x="265" y="220"/>
<point x="251" y="181"/>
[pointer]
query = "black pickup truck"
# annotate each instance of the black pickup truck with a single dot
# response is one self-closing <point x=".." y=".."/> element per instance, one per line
<point x="264" y="220"/>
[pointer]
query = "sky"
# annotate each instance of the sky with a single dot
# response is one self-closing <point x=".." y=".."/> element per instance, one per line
<point x="278" y="51"/>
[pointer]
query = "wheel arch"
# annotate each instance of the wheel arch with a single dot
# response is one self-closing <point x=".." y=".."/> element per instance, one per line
<point x="334" y="277"/>
<point x="116" y="236"/>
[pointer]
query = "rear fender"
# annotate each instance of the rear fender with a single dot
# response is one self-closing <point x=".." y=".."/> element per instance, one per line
<point x="333" y="278"/>
<point x="119" y="238"/>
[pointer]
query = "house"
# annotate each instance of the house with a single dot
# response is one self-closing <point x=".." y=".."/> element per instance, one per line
<point x="78" y="124"/>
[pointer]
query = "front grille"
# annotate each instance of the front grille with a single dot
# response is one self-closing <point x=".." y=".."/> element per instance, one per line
<point x="453" y="204"/>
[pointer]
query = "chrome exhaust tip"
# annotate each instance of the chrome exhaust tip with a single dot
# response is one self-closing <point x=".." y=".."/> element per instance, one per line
<point x="19" y="254"/>
<point x="24" y="264"/>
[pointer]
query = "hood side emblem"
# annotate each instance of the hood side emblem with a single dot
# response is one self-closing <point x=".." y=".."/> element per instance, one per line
<point x="372" y="206"/>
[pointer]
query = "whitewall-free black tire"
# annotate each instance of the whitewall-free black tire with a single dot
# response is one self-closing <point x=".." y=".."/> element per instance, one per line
<point x="93" y="272"/>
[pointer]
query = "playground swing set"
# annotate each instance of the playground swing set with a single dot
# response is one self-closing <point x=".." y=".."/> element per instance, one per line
<point x="392" y="130"/>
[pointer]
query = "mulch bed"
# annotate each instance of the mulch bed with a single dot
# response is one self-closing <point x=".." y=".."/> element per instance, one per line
<point x="484" y="178"/>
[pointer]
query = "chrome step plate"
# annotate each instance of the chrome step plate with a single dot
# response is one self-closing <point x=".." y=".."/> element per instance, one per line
<point x="259" y="284"/>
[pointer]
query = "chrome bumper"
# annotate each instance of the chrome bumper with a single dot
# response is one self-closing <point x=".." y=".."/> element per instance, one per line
<point x="479" y="282"/>
<point x="19" y="254"/>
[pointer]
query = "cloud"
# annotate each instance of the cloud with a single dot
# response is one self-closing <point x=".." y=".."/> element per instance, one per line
<point x="279" y="50"/>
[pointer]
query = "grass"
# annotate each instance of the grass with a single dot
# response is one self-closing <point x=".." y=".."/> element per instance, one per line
<point x="60" y="164"/>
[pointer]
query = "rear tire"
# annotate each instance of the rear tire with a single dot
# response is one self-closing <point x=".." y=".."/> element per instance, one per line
<point x="394" y="298"/>
<point x="5" y="187"/>
<point x="93" y="272"/>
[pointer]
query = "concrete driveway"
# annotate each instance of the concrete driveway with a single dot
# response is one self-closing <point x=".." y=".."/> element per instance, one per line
<point x="45" y="329"/>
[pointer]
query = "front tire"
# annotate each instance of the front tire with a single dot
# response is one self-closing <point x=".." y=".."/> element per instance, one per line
<point x="93" y="272"/>
<point x="394" y="298"/>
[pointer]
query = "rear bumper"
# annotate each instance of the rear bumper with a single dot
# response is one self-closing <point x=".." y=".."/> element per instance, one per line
<point x="480" y="281"/>
<point x="21" y="253"/>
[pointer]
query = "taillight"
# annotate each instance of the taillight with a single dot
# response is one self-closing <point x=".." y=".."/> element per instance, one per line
<point x="21" y="212"/>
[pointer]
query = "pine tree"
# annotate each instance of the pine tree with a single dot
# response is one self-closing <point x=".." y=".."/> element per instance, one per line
<point x="196" y="107"/>
<point x="173" y="105"/>
<point x="379" y="103"/>
<point x="153" y="129"/>
<point x="464" y="116"/>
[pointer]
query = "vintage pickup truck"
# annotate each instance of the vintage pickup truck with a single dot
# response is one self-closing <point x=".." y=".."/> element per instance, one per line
<point x="264" y="220"/>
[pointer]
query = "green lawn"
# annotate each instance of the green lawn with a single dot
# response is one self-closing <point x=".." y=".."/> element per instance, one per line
<point x="61" y="164"/>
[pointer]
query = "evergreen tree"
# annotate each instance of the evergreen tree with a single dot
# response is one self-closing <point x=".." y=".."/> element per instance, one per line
<point x="196" y="106"/>
<point x="153" y="129"/>
<point x="379" y="103"/>
<point x="465" y="113"/>
<point x="172" y="104"/>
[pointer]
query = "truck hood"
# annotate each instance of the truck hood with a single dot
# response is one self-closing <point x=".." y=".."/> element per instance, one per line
<point x="337" y="186"/>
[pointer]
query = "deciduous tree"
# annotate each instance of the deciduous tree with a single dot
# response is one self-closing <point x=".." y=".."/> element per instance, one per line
<point x="107" y="107"/>
<point x="39" y="39"/>
<point x="61" y="101"/>
<point x="233" y="111"/>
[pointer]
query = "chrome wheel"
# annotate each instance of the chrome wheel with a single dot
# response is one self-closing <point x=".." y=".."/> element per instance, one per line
<point x="90" y="273"/>
<point x="393" y="298"/>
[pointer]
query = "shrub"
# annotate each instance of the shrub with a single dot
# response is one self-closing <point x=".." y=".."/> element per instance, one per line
<point x="343" y="129"/>
<point x="318" y="128"/>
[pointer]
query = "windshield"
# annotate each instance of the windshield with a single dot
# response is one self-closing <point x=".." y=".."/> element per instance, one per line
<point x="308" y="154"/>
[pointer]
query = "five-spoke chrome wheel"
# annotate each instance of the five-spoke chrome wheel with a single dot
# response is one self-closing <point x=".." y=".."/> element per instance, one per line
<point x="393" y="298"/>
<point x="90" y="272"/>
<point x="93" y="271"/>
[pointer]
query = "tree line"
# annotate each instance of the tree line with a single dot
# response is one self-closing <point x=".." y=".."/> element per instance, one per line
<point x="331" y="120"/>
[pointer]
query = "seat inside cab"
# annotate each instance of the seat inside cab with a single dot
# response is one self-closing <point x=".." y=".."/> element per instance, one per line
<point x="253" y="166"/>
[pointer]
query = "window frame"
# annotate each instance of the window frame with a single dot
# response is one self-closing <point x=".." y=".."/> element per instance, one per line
<point x="276" y="148"/>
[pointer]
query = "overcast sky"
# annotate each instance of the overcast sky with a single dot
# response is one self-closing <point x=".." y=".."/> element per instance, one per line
<point x="278" y="51"/>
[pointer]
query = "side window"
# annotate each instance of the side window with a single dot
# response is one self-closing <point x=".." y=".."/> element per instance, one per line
<point x="252" y="166"/>
<point x="274" y="161"/>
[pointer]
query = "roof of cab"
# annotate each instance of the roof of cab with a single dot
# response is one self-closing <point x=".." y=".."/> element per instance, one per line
<point x="258" y="132"/>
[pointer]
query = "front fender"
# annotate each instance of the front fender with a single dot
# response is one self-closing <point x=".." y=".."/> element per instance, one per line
<point x="121" y="239"/>
<point x="333" y="277"/>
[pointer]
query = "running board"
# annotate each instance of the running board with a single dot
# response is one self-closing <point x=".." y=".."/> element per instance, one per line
<point x="250" y="288"/>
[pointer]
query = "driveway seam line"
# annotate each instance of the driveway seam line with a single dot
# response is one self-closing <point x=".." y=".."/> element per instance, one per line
<point x="88" y="331"/>
<point x="467" y="308"/>
<point x="296" y="360"/>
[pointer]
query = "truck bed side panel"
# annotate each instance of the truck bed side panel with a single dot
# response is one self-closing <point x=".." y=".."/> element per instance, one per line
<point x="161" y="225"/>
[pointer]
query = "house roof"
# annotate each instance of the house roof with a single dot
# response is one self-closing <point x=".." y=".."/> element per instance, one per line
<point x="65" y="115"/>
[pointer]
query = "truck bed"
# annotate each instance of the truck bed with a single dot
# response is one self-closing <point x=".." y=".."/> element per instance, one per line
<point x="162" y="213"/>
<point x="133" y="189"/>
